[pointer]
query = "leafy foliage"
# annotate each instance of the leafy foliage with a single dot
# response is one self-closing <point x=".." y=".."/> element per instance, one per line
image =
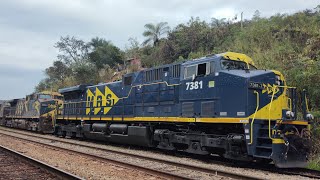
<point x="104" y="53"/>
<point x="58" y="72"/>
<point x="315" y="156"/>
<point x="72" y="50"/>
<point x="154" y="32"/>
<point x="80" y="62"/>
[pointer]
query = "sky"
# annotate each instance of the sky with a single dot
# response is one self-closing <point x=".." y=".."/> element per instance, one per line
<point x="30" y="28"/>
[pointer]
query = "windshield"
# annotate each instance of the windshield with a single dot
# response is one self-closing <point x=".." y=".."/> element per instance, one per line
<point x="58" y="97"/>
<point x="232" y="65"/>
<point x="44" y="96"/>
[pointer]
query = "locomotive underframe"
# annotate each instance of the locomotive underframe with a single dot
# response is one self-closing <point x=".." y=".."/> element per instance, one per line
<point x="226" y="140"/>
<point x="41" y="124"/>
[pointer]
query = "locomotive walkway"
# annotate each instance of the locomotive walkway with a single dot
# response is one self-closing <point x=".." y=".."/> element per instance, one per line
<point x="161" y="173"/>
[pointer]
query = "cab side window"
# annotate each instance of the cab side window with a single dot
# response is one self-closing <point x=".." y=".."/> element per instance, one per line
<point x="202" y="69"/>
<point x="197" y="70"/>
<point x="190" y="71"/>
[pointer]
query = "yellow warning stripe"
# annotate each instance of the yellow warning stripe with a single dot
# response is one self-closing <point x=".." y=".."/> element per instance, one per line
<point x="160" y="119"/>
<point x="277" y="141"/>
<point x="295" y="122"/>
<point x="171" y="119"/>
<point x="223" y="120"/>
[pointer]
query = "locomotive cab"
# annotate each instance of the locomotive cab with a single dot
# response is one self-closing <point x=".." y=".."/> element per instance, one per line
<point x="228" y="88"/>
<point x="273" y="131"/>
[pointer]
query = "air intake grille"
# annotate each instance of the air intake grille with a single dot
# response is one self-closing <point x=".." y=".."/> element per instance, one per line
<point x="188" y="109"/>
<point x="207" y="108"/>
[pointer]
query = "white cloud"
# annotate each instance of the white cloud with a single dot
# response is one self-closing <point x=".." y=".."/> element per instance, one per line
<point x="25" y="49"/>
<point x="227" y="13"/>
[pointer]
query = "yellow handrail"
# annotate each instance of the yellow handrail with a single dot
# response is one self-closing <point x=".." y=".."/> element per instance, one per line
<point x="273" y="92"/>
<point x="251" y="129"/>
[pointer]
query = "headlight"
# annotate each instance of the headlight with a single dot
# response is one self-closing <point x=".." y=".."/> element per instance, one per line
<point x="289" y="114"/>
<point x="310" y="117"/>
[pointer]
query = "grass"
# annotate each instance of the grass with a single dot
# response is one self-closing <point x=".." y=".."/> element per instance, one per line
<point x="315" y="164"/>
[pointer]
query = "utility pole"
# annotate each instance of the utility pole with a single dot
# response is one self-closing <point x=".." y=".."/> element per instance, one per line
<point x="241" y="20"/>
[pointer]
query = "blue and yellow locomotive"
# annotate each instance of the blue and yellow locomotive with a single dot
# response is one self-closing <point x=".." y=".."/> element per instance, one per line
<point x="220" y="104"/>
<point x="35" y="112"/>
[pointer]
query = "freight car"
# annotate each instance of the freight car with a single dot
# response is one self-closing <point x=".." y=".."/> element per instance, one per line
<point x="35" y="112"/>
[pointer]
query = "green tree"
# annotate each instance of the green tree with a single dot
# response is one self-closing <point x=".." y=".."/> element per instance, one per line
<point x="85" y="74"/>
<point x="104" y="53"/>
<point x="256" y="15"/>
<point x="44" y="85"/>
<point x="154" y="32"/>
<point x="72" y="50"/>
<point x="58" y="72"/>
<point x="133" y="50"/>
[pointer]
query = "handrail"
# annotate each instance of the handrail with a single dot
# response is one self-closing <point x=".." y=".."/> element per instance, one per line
<point x="127" y="96"/>
<point x="251" y="129"/>
<point x="289" y="87"/>
<point x="290" y="103"/>
<point x="306" y="101"/>
<point x="290" y="100"/>
<point x="273" y="93"/>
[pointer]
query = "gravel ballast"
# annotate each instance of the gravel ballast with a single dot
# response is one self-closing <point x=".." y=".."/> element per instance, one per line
<point x="85" y="167"/>
<point x="112" y="168"/>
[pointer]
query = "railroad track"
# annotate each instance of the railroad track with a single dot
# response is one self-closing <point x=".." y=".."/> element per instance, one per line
<point x="299" y="171"/>
<point x="160" y="173"/>
<point x="108" y="160"/>
<point x="15" y="165"/>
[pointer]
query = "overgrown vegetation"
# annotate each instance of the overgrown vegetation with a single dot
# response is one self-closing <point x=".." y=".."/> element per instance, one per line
<point x="288" y="43"/>
<point x="315" y="156"/>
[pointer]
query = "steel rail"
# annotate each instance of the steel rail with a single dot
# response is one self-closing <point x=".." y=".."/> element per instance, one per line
<point x="183" y="165"/>
<point x="150" y="171"/>
<point x="177" y="164"/>
<point x="51" y="169"/>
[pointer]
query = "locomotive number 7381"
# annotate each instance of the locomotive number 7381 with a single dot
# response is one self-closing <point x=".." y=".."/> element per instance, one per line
<point x="194" y="85"/>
